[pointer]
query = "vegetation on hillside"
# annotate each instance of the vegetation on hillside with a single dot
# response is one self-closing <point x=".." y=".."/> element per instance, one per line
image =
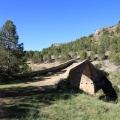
<point x="101" y="45"/>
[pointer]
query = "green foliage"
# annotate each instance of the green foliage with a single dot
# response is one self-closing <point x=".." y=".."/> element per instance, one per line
<point x="47" y="58"/>
<point x="114" y="77"/>
<point x="105" y="42"/>
<point x="113" y="47"/>
<point x="29" y="54"/>
<point x="115" y="57"/>
<point x="98" y="66"/>
<point x="101" y="52"/>
<point x="73" y="55"/>
<point x="37" y="57"/>
<point x="112" y="33"/>
<point x="105" y="31"/>
<point x="116" y="88"/>
<point x="118" y="29"/>
<point x="83" y="55"/>
<point x="25" y="68"/>
<point x="11" y="55"/>
<point x="93" y="47"/>
<point x="111" y="56"/>
<point x="88" y="44"/>
<point x="3" y="57"/>
<point x="64" y="57"/>
<point x="92" y="55"/>
<point x="118" y="48"/>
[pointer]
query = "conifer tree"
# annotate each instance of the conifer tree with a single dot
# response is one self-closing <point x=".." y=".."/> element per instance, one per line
<point x="13" y="56"/>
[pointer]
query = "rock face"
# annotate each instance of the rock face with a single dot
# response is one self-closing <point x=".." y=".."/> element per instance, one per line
<point x="89" y="79"/>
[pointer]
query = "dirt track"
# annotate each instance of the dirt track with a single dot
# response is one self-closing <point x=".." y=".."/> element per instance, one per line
<point x="53" y="79"/>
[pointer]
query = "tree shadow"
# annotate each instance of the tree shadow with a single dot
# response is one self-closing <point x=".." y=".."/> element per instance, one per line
<point x="16" y="111"/>
<point x="29" y="100"/>
<point x="10" y="80"/>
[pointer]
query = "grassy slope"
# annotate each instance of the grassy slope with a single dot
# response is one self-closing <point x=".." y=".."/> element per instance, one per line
<point x="30" y="103"/>
<point x="81" y="107"/>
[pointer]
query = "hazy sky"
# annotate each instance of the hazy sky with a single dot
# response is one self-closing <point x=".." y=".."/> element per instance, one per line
<point x="41" y="23"/>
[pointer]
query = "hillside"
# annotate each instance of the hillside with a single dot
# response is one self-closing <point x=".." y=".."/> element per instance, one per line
<point x="112" y="30"/>
<point x="101" y="43"/>
<point x="104" y="44"/>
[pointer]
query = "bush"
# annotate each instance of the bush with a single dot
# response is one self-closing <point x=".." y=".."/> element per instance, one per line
<point x="101" y="52"/>
<point x="64" y="57"/>
<point x="25" y="68"/>
<point x="118" y="29"/>
<point x="92" y="55"/>
<point x="83" y="55"/>
<point x="116" y="88"/>
<point x="98" y="66"/>
<point x="117" y="59"/>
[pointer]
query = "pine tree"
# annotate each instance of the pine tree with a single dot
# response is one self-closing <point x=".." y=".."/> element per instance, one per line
<point x="14" y="55"/>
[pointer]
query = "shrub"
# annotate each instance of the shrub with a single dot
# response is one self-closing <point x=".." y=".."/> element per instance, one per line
<point x="26" y="68"/>
<point x="98" y="66"/>
<point x="92" y="55"/>
<point x="116" y="88"/>
<point x="101" y="52"/>
<point x="117" y="59"/>
<point x="83" y="55"/>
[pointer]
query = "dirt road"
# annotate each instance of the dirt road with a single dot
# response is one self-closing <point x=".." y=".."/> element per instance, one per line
<point x="53" y="79"/>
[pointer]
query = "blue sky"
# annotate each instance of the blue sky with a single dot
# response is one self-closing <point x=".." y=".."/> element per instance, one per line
<point x="41" y="23"/>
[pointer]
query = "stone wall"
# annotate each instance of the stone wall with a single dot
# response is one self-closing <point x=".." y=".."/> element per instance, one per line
<point x="45" y="71"/>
